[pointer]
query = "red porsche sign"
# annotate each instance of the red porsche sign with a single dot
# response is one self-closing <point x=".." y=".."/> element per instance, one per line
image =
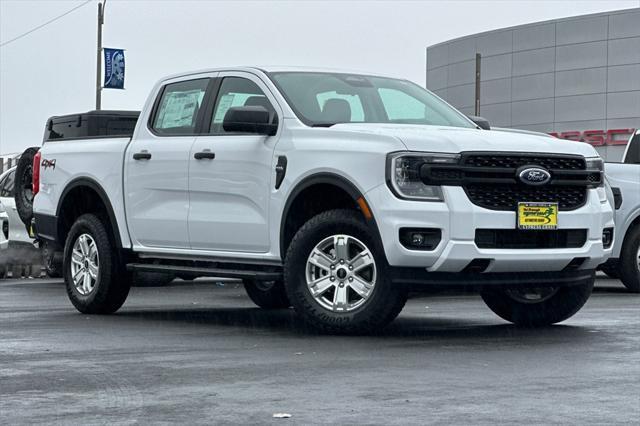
<point x="597" y="137"/>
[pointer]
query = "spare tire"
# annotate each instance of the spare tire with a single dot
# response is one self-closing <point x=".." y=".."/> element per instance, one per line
<point x="23" y="186"/>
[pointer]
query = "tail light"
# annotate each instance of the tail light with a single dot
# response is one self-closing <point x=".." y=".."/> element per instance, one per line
<point x="35" y="183"/>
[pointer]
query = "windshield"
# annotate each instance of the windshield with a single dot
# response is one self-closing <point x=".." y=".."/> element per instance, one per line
<point x="324" y="99"/>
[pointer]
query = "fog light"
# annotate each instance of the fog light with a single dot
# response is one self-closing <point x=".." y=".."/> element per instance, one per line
<point x="607" y="237"/>
<point x="420" y="238"/>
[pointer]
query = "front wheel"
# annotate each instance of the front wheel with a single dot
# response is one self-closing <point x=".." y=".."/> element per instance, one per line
<point x="537" y="307"/>
<point x="96" y="282"/>
<point x="629" y="263"/>
<point x="336" y="275"/>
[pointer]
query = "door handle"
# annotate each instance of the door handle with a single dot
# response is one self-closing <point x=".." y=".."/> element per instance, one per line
<point x="204" y="155"/>
<point x="142" y="155"/>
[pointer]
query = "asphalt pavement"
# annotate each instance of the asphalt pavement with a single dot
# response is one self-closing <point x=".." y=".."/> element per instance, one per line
<point x="202" y="353"/>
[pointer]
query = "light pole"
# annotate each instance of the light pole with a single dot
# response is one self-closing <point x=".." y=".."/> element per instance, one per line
<point x="101" y="7"/>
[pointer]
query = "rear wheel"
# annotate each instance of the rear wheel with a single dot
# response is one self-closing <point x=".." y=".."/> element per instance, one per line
<point x="629" y="263"/>
<point x="536" y="307"/>
<point x="336" y="275"/>
<point x="267" y="294"/>
<point x="96" y="281"/>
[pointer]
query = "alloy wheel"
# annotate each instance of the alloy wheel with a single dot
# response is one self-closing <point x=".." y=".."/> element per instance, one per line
<point x="341" y="273"/>
<point x="85" y="264"/>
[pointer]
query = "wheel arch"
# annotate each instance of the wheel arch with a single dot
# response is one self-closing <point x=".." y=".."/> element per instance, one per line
<point x="85" y="187"/>
<point x="349" y="197"/>
<point x="632" y="221"/>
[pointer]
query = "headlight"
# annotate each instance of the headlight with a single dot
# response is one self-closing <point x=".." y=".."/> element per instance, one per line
<point x="595" y="163"/>
<point x="403" y="174"/>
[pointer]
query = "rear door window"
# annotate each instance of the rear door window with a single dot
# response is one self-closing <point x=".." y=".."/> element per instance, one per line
<point x="178" y="108"/>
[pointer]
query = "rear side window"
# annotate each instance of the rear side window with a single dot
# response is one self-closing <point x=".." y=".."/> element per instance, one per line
<point x="177" y="110"/>
<point x="6" y="186"/>
<point x="633" y="154"/>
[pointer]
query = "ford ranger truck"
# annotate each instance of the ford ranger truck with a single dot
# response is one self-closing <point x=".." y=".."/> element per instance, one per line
<point x="625" y="178"/>
<point x="335" y="193"/>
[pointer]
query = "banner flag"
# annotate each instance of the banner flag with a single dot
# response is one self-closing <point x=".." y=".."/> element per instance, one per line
<point x="113" y="68"/>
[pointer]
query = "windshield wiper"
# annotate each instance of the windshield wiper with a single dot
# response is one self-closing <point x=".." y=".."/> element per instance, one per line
<point x="323" y="124"/>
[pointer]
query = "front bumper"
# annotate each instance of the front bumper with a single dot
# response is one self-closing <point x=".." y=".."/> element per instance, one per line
<point x="417" y="279"/>
<point x="458" y="220"/>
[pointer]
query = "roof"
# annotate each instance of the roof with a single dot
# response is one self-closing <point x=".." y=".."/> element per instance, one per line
<point x="274" y="68"/>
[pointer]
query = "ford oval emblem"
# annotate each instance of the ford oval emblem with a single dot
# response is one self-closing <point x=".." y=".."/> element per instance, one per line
<point x="534" y="176"/>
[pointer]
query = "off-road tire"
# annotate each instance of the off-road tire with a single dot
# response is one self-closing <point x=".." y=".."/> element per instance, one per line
<point x="559" y="307"/>
<point x="113" y="282"/>
<point x="271" y="295"/>
<point x="628" y="263"/>
<point x="23" y="193"/>
<point x="382" y="306"/>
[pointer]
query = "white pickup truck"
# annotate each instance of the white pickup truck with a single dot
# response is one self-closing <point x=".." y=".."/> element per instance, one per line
<point x="624" y="177"/>
<point x="336" y="193"/>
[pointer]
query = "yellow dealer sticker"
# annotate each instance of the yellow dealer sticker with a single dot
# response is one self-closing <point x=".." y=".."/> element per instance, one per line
<point x="537" y="215"/>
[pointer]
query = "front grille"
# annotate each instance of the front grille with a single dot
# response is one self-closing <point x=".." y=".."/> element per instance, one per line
<point x="506" y="197"/>
<point x="530" y="239"/>
<point x="491" y="180"/>
<point x="513" y="161"/>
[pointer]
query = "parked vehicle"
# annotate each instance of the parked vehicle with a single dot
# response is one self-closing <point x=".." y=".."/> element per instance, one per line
<point x="625" y="178"/>
<point x="20" y="256"/>
<point x="336" y="193"/>
<point x="4" y="242"/>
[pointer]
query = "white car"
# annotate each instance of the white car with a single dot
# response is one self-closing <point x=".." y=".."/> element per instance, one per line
<point x="334" y="192"/>
<point x="625" y="178"/>
<point x="4" y="241"/>
<point x="20" y="251"/>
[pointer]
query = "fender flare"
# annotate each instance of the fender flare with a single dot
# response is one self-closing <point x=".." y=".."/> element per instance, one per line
<point x="325" y="178"/>
<point x="95" y="186"/>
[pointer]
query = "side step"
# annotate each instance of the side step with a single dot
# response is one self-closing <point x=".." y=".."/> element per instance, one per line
<point x="207" y="272"/>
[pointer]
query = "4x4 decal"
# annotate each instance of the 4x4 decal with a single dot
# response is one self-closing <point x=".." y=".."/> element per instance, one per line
<point x="49" y="163"/>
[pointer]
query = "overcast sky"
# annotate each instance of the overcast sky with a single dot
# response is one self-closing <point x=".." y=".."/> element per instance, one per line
<point x="52" y="71"/>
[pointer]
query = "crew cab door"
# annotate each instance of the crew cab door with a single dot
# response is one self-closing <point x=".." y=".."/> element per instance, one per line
<point x="230" y="173"/>
<point x="157" y="165"/>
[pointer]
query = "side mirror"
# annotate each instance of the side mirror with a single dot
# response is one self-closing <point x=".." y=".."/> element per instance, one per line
<point x="249" y="119"/>
<point x="483" y="123"/>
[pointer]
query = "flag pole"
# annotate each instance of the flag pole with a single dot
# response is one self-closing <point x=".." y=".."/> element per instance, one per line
<point x="99" y="55"/>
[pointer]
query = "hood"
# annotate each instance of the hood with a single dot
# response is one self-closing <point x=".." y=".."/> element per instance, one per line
<point x="455" y="140"/>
